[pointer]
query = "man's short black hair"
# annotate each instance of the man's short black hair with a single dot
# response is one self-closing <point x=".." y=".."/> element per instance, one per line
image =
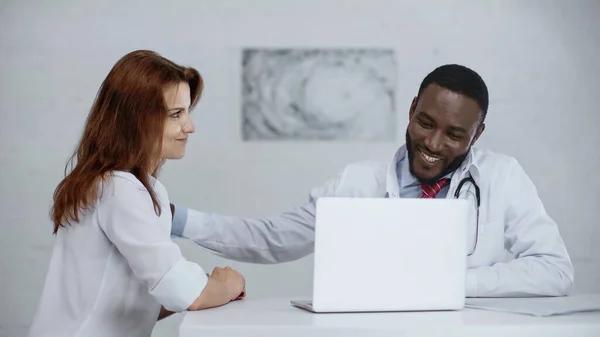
<point x="461" y="80"/>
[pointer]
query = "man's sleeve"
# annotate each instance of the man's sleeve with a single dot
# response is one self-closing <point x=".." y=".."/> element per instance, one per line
<point x="282" y="238"/>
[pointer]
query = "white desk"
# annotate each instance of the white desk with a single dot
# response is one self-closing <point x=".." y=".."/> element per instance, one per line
<point x="275" y="317"/>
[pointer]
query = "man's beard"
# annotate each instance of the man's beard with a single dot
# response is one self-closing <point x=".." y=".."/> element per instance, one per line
<point x="451" y="167"/>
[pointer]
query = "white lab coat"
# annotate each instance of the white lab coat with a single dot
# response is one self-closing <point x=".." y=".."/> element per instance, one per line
<point x="512" y="218"/>
<point x="110" y="273"/>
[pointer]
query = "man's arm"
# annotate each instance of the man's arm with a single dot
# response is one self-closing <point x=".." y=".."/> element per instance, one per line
<point x="282" y="238"/>
<point x="542" y="266"/>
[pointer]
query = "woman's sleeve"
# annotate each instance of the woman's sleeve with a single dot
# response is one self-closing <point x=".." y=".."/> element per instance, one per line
<point x="127" y="217"/>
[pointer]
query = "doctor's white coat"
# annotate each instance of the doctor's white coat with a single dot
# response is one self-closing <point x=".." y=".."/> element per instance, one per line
<point x="512" y="218"/>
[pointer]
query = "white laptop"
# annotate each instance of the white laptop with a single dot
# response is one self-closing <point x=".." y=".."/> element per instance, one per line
<point x="380" y="254"/>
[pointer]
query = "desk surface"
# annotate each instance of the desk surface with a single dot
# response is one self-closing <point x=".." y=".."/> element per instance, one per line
<point x="276" y="317"/>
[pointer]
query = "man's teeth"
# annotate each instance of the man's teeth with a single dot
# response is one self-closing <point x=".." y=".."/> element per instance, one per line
<point x="429" y="159"/>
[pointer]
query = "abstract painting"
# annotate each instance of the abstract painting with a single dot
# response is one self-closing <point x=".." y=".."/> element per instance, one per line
<point x="318" y="94"/>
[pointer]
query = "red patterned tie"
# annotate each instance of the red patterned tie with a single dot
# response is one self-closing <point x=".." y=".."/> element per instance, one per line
<point x="430" y="191"/>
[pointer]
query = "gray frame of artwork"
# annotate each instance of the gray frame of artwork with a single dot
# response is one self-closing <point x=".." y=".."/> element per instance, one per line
<point x="319" y="94"/>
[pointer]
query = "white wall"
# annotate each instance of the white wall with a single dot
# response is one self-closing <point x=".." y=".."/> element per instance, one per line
<point x="539" y="59"/>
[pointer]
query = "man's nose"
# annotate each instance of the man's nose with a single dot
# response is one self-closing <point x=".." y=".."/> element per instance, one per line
<point x="435" y="141"/>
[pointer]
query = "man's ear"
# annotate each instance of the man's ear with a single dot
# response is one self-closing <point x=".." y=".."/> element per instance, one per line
<point x="413" y="107"/>
<point x="478" y="133"/>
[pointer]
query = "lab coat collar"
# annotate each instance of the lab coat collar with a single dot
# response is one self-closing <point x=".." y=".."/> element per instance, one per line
<point x="469" y="165"/>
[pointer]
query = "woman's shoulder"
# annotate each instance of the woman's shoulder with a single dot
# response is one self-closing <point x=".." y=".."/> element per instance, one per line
<point x="122" y="185"/>
<point x="122" y="180"/>
<point x="122" y="196"/>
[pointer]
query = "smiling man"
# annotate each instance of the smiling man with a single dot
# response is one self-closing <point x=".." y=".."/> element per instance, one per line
<point x="446" y="119"/>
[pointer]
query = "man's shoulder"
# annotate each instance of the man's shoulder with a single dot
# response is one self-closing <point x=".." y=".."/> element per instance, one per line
<point x="366" y="167"/>
<point x="486" y="158"/>
<point x="494" y="166"/>
<point x="362" y="179"/>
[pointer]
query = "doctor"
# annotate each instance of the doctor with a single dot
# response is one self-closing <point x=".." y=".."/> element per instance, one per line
<point x="445" y="120"/>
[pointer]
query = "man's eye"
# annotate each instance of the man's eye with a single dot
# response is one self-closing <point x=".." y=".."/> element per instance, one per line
<point x="425" y="125"/>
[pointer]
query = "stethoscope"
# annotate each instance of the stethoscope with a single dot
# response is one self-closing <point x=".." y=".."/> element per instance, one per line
<point x="477" y="204"/>
<point x="465" y="180"/>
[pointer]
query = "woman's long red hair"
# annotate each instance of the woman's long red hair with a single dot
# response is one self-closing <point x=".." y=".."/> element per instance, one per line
<point x="123" y="131"/>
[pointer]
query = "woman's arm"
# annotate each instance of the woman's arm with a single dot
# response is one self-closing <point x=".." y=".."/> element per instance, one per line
<point x="164" y="313"/>
<point x="127" y="217"/>
<point x="223" y="286"/>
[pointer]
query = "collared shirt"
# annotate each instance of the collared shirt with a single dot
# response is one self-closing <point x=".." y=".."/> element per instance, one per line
<point x="409" y="185"/>
<point x="110" y="273"/>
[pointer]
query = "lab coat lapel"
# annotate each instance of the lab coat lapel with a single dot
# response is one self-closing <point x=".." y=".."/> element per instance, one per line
<point x="392" y="186"/>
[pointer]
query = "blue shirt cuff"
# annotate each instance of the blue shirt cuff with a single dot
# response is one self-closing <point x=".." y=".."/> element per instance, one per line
<point x="179" y="220"/>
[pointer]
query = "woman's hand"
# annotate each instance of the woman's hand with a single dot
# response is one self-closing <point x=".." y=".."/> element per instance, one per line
<point x="224" y="285"/>
<point x="234" y="281"/>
